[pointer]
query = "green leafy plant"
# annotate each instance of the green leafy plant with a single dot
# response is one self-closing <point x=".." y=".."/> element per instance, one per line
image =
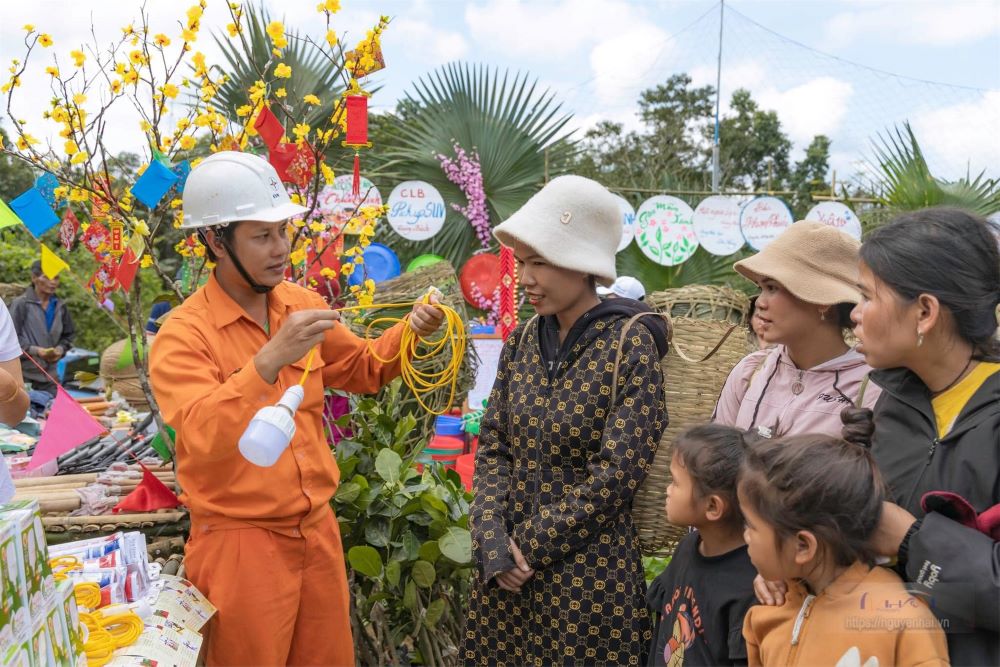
<point x="518" y="131"/>
<point x="406" y="535"/>
<point x="907" y="183"/>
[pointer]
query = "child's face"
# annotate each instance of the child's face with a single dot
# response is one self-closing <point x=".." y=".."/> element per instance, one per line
<point x="765" y="551"/>
<point x="683" y="506"/>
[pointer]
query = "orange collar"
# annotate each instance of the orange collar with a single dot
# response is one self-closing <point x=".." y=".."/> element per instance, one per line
<point x="224" y="310"/>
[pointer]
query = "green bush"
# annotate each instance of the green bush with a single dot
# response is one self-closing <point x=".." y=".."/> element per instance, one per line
<point x="406" y="536"/>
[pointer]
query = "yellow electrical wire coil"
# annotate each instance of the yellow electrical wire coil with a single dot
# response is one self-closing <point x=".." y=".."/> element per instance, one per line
<point x="87" y="594"/>
<point x="63" y="564"/>
<point x="108" y="633"/>
<point x="420" y="382"/>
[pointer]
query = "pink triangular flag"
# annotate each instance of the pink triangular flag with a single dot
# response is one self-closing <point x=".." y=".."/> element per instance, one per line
<point x="67" y="427"/>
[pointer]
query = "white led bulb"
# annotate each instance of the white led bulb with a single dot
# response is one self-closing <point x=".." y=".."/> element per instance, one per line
<point x="271" y="429"/>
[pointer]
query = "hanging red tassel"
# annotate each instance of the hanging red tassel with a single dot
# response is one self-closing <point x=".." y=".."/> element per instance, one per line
<point x="356" y="102"/>
<point x="508" y="290"/>
<point x="356" y="183"/>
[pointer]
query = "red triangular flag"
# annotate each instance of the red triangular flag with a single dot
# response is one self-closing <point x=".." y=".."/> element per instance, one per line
<point x="127" y="268"/>
<point x="269" y="128"/>
<point x="67" y="427"/>
<point x="150" y="495"/>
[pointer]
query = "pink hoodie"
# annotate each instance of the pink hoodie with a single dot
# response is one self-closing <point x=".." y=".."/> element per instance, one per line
<point x="814" y="409"/>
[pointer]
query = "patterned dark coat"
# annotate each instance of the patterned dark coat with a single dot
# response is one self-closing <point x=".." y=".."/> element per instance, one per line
<point x="556" y="470"/>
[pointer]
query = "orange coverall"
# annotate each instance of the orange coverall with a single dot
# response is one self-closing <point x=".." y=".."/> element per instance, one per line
<point x="265" y="546"/>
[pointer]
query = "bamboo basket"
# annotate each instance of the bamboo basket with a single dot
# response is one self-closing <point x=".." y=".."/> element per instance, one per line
<point x="702" y="302"/>
<point x="124" y="380"/>
<point x="709" y="339"/>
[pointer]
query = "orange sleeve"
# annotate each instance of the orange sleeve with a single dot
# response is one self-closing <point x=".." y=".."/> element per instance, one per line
<point x="753" y="644"/>
<point x="351" y="364"/>
<point x="923" y="644"/>
<point x="209" y="413"/>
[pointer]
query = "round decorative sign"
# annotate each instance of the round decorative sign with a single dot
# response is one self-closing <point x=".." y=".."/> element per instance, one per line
<point x="837" y="215"/>
<point x="628" y="222"/>
<point x="336" y="203"/>
<point x="717" y="225"/>
<point x="664" y="230"/>
<point x="764" y="219"/>
<point x="416" y="210"/>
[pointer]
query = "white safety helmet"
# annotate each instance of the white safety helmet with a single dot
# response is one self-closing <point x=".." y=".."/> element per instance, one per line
<point x="230" y="187"/>
<point x="626" y="287"/>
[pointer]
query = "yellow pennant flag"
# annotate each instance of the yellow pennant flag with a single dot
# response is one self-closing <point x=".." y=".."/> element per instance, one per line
<point x="52" y="263"/>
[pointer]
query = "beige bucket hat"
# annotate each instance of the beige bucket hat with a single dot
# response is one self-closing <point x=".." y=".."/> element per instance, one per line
<point x="573" y="222"/>
<point x="815" y="262"/>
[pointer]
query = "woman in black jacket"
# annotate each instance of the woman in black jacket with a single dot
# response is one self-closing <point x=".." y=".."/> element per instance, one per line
<point x="928" y="320"/>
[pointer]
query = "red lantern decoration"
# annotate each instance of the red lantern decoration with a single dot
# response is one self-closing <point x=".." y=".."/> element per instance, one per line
<point x="357" y="132"/>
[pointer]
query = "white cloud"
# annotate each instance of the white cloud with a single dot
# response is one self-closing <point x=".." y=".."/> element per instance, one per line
<point x="962" y="136"/>
<point x="437" y="46"/>
<point x="622" y="64"/>
<point x="815" y="107"/>
<point x="932" y="23"/>
<point x="550" y="29"/>
<point x="749" y="75"/>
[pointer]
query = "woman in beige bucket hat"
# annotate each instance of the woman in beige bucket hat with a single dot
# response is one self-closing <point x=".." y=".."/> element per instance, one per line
<point x="808" y="285"/>
<point x="562" y="452"/>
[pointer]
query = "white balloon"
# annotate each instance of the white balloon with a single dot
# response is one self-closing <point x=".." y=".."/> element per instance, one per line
<point x="717" y="224"/>
<point x="416" y="210"/>
<point x="664" y="230"/>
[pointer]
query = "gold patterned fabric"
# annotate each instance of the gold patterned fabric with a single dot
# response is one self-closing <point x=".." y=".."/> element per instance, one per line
<point x="556" y="470"/>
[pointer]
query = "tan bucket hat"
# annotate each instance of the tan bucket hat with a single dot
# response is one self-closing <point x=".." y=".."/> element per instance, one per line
<point x="573" y="222"/>
<point x="815" y="262"/>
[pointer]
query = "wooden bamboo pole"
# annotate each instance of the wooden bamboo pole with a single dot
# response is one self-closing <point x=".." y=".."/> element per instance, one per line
<point x="162" y="517"/>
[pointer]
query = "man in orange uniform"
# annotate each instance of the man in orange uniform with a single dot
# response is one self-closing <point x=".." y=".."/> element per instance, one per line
<point x="265" y="546"/>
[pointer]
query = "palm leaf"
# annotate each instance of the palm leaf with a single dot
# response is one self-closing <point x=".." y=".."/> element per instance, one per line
<point x="314" y="70"/>
<point x="908" y="184"/>
<point x="515" y="128"/>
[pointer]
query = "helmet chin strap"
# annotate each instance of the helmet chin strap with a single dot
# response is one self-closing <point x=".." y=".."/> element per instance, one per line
<point x="254" y="285"/>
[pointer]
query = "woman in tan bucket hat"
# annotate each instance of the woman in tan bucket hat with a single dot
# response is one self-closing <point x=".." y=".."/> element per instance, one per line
<point x="563" y="449"/>
<point x="808" y="286"/>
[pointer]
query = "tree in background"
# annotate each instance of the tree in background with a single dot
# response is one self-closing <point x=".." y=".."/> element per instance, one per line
<point x="502" y="122"/>
<point x="672" y="151"/>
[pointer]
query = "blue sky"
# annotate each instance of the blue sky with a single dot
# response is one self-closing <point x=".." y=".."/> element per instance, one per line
<point x="597" y="55"/>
